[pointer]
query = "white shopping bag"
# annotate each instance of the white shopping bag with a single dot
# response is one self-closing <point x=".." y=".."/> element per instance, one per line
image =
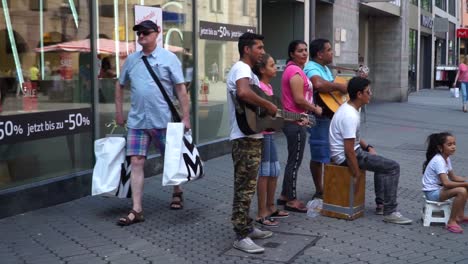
<point x="124" y="189"/>
<point x="455" y="92"/>
<point x="182" y="162"/>
<point x="110" y="155"/>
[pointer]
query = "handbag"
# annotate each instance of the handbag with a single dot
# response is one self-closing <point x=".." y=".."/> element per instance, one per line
<point x="111" y="173"/>
<point x="182" y="161"/>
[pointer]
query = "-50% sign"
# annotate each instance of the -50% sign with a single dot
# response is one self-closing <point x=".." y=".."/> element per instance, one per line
<point x="8" y="129"/>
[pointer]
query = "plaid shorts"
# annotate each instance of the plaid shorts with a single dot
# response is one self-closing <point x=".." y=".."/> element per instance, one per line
<point x="139" y="140"/>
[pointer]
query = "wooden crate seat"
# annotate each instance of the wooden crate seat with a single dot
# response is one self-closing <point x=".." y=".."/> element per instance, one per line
<point x="341" y="197"/>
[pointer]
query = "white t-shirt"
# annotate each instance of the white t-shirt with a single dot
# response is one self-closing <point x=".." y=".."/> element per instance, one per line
<point x="436" y="166"/>
<point x="345" y="124"/>
<point x="238" y="71"/>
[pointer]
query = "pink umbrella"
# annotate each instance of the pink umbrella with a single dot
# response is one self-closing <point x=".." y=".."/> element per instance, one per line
<point x="105" y="46"/>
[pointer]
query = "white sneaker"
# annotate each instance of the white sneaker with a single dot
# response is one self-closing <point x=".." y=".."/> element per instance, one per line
<point x="259" y="234"/>
<point x="247" y="245"/>
<point x="397" y="218"/>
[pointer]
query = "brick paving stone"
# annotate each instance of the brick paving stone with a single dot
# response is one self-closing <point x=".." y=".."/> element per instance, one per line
<point x="202" y="232"/>
<point x="12" y="260"/>
<point x="456" y="258"/>
<point x="422" y="259"/>
<point x="124" y="258"/>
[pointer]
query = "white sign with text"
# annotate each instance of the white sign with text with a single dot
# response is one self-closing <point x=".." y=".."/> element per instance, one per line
<point x="154" y="14"/>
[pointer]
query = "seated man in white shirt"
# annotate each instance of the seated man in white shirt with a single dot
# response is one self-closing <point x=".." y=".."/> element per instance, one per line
<point x="348" y="149"/>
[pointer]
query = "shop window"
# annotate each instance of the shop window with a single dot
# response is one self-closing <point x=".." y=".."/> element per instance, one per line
<point x="426" y="5"/>
<point x="451" y="7"/>
<point x="216" y="55"/>
<point x="34" y="5"/>
<point x="176" y="36"/>
<point x="245" y="7"/>
<point x="216" y="6"/>
<point x="45" y="106"/>
<point x="442" y="4"/>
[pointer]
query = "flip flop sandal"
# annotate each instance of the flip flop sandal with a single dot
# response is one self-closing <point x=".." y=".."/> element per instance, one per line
<point x="126" y="221"/>
<point x="454" y="229"/>
<point x="279" y="214"/>
<point x="271" y="222"/>
<point x="294" y="209"/>
<point x="177" y="205"/>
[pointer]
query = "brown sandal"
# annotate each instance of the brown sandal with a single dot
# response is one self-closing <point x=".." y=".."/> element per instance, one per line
<point x="177" y="205"/>
<point x="126" y="221"/>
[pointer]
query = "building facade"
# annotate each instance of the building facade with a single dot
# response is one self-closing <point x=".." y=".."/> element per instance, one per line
<point x="60" y="60"/>
<point x="433" y="43"/>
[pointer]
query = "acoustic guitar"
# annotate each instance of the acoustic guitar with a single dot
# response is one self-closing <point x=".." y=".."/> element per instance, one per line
<point x="334" y="99"/>
<point x="253" y="119"/>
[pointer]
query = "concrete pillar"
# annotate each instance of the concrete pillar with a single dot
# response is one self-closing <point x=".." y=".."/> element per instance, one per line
<point x="388" y="37"/>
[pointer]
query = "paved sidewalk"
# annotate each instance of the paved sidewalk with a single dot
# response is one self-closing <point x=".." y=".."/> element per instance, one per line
<point x="84" y="230"/>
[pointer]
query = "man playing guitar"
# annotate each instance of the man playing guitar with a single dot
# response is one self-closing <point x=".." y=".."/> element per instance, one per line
<point x="316" y="69"/>
<point x="324" y="83"/>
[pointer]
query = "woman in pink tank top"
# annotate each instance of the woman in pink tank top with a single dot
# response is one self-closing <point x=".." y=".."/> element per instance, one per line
<point x="296" y="97"/>
<point x="462" y="77"/>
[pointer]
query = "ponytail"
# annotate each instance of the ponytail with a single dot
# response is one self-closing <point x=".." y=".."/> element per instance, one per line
<point x="434" y="141"/>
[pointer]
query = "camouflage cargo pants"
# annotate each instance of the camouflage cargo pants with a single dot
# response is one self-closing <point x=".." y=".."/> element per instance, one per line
<point x="246" y="156"/>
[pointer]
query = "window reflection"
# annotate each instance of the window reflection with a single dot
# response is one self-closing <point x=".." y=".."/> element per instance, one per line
<point x="37" y="80"/>
<point x="176" y="37"/>
<point x="215" y="60"/>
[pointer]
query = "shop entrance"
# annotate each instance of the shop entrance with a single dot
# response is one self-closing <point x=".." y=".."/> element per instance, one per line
<point x="282" y="22"/>
<point x="425" y="62"/>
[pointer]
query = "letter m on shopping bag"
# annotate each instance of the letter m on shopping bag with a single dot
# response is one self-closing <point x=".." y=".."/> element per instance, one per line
<point x="182" y="162"/>
<point x="192" y="161"/>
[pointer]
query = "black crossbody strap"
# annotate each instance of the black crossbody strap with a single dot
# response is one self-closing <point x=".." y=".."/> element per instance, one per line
<point x="175" y="114"/>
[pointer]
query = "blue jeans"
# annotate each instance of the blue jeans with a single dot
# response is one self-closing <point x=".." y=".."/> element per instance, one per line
<point x="386" y="177"/>
<point x="319" y="140"/>
<point x="433" y="195"/>
<point x="464" y="92"/>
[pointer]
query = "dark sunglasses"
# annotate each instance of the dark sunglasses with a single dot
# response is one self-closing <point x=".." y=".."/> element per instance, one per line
<point x="145" y="33"/>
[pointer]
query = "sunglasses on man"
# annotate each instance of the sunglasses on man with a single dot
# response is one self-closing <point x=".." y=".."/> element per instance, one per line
<point x="145" y="32"/>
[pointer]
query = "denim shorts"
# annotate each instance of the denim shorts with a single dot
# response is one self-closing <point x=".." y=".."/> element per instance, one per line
<point x="319" y="142"/>
<point x="433" y="195"/>
<point x="139" y="140"/>
<point x="269" y="165"/>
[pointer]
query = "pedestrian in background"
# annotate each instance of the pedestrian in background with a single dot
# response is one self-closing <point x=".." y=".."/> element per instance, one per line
<point x="297" y="97"/>
<point x="269" y="166"/>
<point x="439" y="180"/>
<point x="149" y="112"/>
<point x="462" y="77"/>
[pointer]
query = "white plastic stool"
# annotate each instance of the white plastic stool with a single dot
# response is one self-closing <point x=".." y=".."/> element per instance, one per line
<point x="436" y="207"/>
